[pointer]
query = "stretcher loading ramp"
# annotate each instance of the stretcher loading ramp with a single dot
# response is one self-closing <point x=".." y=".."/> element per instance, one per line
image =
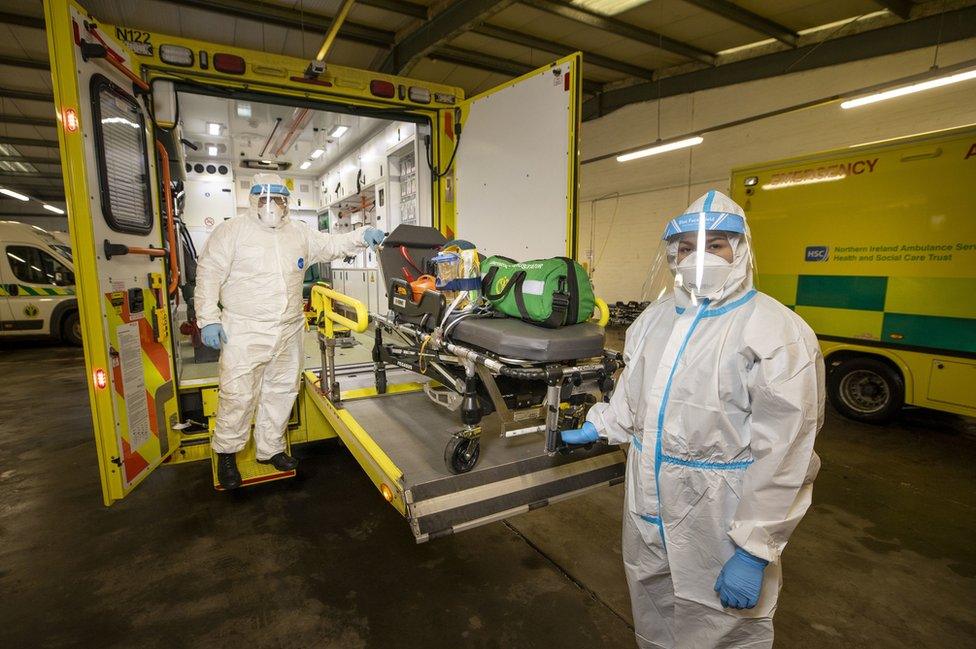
<point x="398" y="438"/>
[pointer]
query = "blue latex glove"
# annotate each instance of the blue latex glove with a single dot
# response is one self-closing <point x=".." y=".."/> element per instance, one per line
<point x="373" y="237"/>
<point x="740" y="581"/>
<point x="583" y="435"/>
<point x="213" y="335"/>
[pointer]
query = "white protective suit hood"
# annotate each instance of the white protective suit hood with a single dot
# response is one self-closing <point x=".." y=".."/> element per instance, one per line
<point x="269" y="200"/>
<point x="701" y="274"/>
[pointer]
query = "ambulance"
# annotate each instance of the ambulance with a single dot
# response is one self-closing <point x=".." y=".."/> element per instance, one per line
<point x="161" y="136"/>
<point x="875" y="247"/>
<point x="37" y="285"/>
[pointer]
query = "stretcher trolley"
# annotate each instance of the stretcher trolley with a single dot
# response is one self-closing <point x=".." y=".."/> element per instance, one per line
<point x="459" y="424"/>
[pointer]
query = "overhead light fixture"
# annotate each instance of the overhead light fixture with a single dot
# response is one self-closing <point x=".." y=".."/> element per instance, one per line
<point x="338" y="131"/>
<point x="910" y="89"/>
<point x="213" y="128"/>
<point x="316" y="154"/>
<point x="51" y="208"/>
<point x="244" y="110"/>
<point x="305" y="165"/>
<point x="609" y="7"/>
<point x="212" y="150"/>
<point x="12" y="194"/>
<point x="660" y="148"/>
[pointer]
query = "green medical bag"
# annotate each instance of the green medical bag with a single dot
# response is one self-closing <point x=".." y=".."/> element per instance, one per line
<point x="548" y="292"/>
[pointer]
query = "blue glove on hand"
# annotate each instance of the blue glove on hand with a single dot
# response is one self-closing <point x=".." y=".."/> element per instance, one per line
<point x="583" y="435"/>
<point x="373" y="237"/>
<point x="740" y="581"/>
<point x="213" y="335"/>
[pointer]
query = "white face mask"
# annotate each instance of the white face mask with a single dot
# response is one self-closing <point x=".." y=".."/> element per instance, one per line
<point x="272" y="214"/>
<point x="705" y="279"/>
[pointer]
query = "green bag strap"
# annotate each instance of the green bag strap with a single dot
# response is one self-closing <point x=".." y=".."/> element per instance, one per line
<point x="573" y="286"/>
<point x="517" y="278"/>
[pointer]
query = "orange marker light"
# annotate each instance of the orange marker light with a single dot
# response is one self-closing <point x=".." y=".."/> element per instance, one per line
<point x="387" y="493"/>
<point x="101" y="379"/>
<point x="70" y="120"/>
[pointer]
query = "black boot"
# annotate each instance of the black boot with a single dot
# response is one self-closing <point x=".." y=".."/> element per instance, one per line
<point x="281" y="461"/>
<point x="227" y="474"/>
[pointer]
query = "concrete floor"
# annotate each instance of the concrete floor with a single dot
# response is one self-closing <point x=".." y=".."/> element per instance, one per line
<point x="885" y="558"/>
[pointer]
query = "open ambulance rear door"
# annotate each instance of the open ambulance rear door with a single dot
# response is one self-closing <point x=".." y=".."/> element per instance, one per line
<point x="109" y="164"/>
<point x="517" y="165"/>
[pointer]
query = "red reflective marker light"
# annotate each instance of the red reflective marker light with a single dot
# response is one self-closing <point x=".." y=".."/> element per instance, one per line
<point x="101" y="379"/>
<point x="70" y="120"/>
<point x="228" y="63"/>
<point x="382" y="88"/>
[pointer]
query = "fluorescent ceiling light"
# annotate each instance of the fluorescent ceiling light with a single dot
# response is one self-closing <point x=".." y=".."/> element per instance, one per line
<point x="213" y="128"/>
<point x="660" y="148"/>
<point x="12" y="194"/>
<point x="609" y="7"/>
<point x="804" y="32"/>
<point x="338" y="131"/>
<point x="316" y="154"/>
<point x="244" y="110"/>
<point x="305" y="165"/>
<point x="51" y="208"/>
<point x="910" y="89"/>
<point x="212" y="150"/>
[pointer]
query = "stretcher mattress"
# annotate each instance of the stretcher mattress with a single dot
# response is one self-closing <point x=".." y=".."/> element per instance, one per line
<point x="513" y="338"/>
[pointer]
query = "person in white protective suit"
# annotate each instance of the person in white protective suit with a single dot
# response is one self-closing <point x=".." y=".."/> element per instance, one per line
<point x="254" y="266"/>
<point x="721" y="400"/>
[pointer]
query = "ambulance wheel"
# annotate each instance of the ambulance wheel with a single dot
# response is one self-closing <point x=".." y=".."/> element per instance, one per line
<point x="461" y="454"/>
<point x="866" y="389"/>
<point x="71" y="329"/>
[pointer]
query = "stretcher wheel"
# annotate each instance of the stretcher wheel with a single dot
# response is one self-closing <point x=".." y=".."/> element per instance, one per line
<point x="461" y="454"/>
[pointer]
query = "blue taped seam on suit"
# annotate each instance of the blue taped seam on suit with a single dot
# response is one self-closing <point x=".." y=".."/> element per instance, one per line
<point x="707" y="207"/>
<point x="636" y="442"/>
<point x="663" y="408"/>
<point x="650" y="519"/>
<point x="711" y="313"/>
<point x="699" y="464"/>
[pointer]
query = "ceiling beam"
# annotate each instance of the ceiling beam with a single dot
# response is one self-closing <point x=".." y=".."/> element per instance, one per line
<point x="7" y="18"/>
<point x="511" y="36"/>
<point x="30" y="160"/>
<point x="746" y="18"/>
<point x="266" y="12"/>
<point x="401" y="7"/>
<point x="27" y="121"/>
<point x="901" y="8"/>
<point x="621" y="28"/>
<point x="457" y="18"/>
<point x="27" y="141"/>
<point x="18" y="62"/>
<point x="921" y="32"/>
<point x="30" y="95"/>
<point x="490" y="63"/>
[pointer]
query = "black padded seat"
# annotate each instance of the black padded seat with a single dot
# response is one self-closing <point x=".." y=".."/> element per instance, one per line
<point x="513" y="338"/>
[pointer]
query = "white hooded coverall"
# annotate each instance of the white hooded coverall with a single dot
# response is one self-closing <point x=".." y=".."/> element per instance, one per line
<point x="721" y="401"/>
<point x="256" y="273"/>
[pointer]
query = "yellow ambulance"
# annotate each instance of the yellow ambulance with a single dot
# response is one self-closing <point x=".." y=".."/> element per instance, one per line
<point x="875" y="247"/>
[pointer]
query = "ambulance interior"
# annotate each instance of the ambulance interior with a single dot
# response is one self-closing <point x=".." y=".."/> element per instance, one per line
<point x="344" y="169"/>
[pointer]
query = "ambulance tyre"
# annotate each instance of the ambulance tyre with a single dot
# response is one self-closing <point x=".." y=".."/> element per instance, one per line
<point x="71" y="329"/>
<point x="461" y="454"/>
<point x="866" y="389"/>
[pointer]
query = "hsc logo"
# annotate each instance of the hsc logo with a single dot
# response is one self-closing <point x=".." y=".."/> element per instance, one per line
<point x="817" y="253"/>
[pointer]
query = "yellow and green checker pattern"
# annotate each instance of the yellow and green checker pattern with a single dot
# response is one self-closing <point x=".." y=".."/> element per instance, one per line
<point x="918" y="313"/>
<point x="24" y="289"/>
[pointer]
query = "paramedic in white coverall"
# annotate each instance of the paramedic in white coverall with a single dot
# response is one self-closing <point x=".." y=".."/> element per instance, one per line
<point x="721" y="400"/>
<point x="254" y="266"/>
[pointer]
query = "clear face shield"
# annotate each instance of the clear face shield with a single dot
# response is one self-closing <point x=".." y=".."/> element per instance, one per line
<point x="700" y="259"/>
<point x="270" y="208"/>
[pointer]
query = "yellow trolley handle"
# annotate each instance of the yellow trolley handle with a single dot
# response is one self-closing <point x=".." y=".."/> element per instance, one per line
<point x="604" y="310"/>
<point x="323" y="299"/>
